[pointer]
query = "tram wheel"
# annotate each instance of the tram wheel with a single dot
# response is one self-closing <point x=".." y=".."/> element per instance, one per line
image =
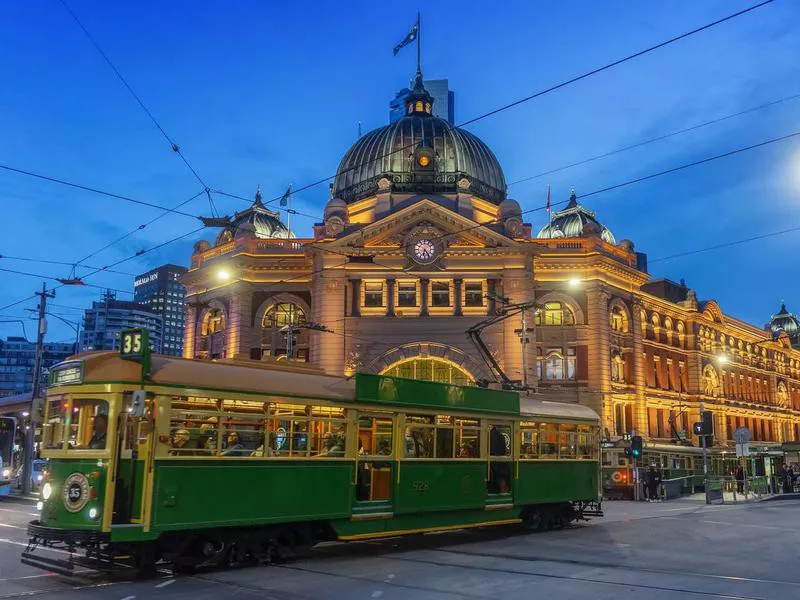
<point x="532" y="519"/>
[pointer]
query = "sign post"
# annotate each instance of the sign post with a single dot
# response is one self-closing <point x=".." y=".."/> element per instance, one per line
<point x="742" y="438"/>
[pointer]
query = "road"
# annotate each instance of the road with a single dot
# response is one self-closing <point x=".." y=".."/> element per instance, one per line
<point x="658" y="551"/>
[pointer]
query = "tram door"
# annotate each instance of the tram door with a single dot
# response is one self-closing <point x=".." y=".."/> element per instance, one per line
<point x="500" y="465"/>
<point x="133" y="465"/>
<point x="375" y="463"/>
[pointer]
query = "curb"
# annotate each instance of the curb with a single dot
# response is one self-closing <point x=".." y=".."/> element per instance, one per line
<point x="777" y="497"/>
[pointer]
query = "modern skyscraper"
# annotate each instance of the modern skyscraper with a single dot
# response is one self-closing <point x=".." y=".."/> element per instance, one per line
<point x="162" y="291"/>
<point x="443" y="101"/>
<point x="17" y="358"/>
<point x="103" y="323"/>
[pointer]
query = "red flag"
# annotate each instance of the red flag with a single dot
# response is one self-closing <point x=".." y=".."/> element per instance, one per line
<point x="548" y="198"/>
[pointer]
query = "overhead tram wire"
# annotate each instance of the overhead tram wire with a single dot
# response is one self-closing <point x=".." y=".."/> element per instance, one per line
<point x="87" y="188"/>
<point x="657" y="139"/>
<point x="57" y="262"/>
<point x="175" y="148"/>
<point x="543" y="92"/>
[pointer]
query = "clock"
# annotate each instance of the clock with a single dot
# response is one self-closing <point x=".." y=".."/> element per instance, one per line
<point x="423" y="160"/>
<point x="424" y="251"/>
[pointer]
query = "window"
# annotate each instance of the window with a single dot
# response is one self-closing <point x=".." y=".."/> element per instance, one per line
<point x="529" y="440"/>
<point x="440" y="293"/>
<point x="83" y="422"/>
<point x="619" y="320"/>
<point x="555" y="313"/>
<point x="571" y="360"/>
<point x="406" y="293"/>
<point x="283" y="314"/>
<point x="373" y="294"/>
<point x="558" y="366"/>
<point x="568" y="441"/>
<point x="374" y="436"/>
<point x="430" y="369"/>
<point x="374" y="472"/>
<point x="214" y="322"/>
<point x="473" y="293"/>
<point x="548" y="436"/>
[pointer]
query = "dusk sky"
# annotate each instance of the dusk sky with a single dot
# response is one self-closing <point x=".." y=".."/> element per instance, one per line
<point x="271" y="94"/>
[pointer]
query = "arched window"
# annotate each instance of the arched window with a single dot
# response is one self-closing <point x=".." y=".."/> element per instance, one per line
<point x="710" y="381"/>
<point x="214" y="322"/>
<point x="211" y="344"/>
<point x="668" y="330"/>
<point x="619" y="319"/>
<point x="280" y="315"/>
<point x="555" y="313"/>
<point x="430" y="369"/>
<point x="418" y="106"/>
<point x="275" y="339"/>
<point x="681" y="334"/>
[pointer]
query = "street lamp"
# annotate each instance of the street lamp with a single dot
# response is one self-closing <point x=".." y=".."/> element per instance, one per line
<point x="223" y="274"/>
<point x="574" y="282"/>
<point x="722" y="359"/>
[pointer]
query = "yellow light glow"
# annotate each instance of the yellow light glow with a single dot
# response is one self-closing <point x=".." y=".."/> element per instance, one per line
<point x="722" y="359"/>
<point x="574" y="282"/>
<point x="223" y="274"/>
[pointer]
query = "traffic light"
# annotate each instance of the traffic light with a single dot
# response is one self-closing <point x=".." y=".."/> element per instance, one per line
<point x="636" y="446"/>
<point x="704" y="428"/>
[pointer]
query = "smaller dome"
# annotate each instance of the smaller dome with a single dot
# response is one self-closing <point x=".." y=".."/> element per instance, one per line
<point x="257" y="221"/>
<point x="335" y="206"/>
<point x="509" y="208"/>
<point x="785" y="321"/>
<point x="572" y="221"/>
<point x="201" y="246"/>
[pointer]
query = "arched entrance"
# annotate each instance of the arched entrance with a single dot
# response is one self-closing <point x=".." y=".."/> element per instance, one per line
<point x="430" y="369"/>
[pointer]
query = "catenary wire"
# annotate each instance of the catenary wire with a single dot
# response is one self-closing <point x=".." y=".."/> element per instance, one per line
<point x="657" y="139"/>
<point x="57" y="262"/>
<point x="175" y="148"/>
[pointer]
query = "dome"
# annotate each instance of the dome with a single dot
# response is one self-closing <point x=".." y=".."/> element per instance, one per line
<point x="572" y="221"/>
<point x="389" y="152"/>
<point x="257" y="221"/>
<point x="509" y="208"/>
<point x="785" y="321"/>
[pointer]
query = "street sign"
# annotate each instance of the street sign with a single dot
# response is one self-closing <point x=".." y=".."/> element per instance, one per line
<point x="742" y="450"/>
<point x="741" y="435"/>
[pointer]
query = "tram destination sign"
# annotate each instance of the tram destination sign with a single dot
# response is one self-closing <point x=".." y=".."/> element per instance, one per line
<point x="70" y="373"/>
<point x="134" y="345"/>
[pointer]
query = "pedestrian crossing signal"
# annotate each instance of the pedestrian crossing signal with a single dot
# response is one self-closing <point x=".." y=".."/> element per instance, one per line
<point x="636" y="446"/>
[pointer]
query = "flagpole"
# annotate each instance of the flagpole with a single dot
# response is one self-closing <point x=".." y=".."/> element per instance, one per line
<point x="289" y="214"/>
<point x="419" y="43"/>
<point x="549" y="211"/>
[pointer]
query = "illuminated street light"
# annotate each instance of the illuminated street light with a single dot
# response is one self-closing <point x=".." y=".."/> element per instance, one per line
<point x="574" y="282"/>
<point x="722" y="359"/>
<point x="223" y="274"/>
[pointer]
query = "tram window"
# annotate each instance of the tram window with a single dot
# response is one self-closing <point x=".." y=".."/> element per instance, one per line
<point x="468" y="433"/>
<point x="586" y="442"/>
<point x="420" y="436"/>
<point x="375" y="436"/>
<point x="242" y="427"/>
<point x="54" y="428"/>
<point x="567" y="443"/>
<point x="444" y="437"/>
<point x="529" y="440"/>
<point x="499" y="440"/>
<point x="548" y="440"/>
<point x="86" y="424"/>
<point x="194" y="426"/>
<point x="290" y="424"/>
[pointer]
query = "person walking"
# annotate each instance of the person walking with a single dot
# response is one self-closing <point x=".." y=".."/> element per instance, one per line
<point x="786" y="479"/>
<point x="740" y="480"/>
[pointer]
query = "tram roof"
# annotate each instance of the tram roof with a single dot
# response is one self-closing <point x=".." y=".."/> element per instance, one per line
<point x="532" y="407"/>
<point x="302" y="381"/>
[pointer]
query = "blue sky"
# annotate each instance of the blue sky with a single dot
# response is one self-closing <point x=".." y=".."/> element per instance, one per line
<point x="271" y="93"/>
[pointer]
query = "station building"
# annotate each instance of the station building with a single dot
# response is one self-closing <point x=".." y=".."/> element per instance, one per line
<point x="420" y="242"/>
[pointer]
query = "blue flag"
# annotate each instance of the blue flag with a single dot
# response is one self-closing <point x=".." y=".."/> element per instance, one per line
<point x="412" y="35"/>
<point x="285" y="198"/>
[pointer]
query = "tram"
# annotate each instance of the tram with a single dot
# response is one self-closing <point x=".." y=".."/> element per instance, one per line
<point x="8" y="430"/>
<point x="200" y="464"/>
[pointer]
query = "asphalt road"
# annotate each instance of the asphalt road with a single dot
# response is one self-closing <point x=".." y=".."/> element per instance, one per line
<point x="657" y="551"/>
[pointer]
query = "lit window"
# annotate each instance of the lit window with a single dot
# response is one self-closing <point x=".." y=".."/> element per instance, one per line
<point x="440" y="293"/>
<point x="418" y="106"/>
<point x="473" y="293"/>
<point x="555" y="313"/>
<point x="373" y="294"/>
<point x="283" y="314"/>
<point x="619" y="320"/>
<point x="407" y="293"/>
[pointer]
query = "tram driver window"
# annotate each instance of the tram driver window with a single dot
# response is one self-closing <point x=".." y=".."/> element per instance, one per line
<point x="86" y="422"/>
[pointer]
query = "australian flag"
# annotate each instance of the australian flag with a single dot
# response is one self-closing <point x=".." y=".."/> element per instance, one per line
<point x="285" y="198"/>
<point x="412" y="35"/>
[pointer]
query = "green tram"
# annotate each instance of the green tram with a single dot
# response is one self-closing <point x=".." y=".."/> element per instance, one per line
<point x="238" y="462"/>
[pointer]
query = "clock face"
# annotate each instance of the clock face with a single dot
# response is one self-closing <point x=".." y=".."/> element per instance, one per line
<point x="424" y="250"/>
<point x="423" y="161"/>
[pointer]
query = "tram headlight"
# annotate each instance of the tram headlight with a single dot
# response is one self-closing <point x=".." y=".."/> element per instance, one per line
<point x="93" y="513"/>
<point x="47" y="491"/>
<point x="6" y="473"/>
<point x="39" y="505"/>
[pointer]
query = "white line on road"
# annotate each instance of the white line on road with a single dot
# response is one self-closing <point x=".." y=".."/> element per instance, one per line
<point x="11" y="526"/>
<point x="377" y="594"/>
<point x="28" y="577"/>
<point x="21" y="512"/>
<point x="749" y="525"/>
<point x="129" y="598"/>
<point x="165" y="583"/>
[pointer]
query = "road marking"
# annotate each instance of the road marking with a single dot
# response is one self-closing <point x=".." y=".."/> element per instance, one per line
<point x="21" y="512"/>
<point x="376" y="594"/>
<point x="748" y="525"/>
<point x="11" y="526"/>
<point x="28" y="577"/>
<point x="129" y="598"/>
<point x="166" y="583"/>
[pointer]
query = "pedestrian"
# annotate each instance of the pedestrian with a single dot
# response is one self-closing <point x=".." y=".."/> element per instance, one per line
<point x="650" y="481"/>
<point x="785" y="479"/>
<point x="740" y="480"/>
<point x="659" y="478"/>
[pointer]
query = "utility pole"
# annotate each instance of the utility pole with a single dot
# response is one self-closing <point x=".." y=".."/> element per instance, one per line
<point x="30" y="434"/>
<point x="704" y="441"/>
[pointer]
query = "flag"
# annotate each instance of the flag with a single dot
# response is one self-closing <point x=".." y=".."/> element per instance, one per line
<point x="285" y="198"/>
<point x="548" y="198"/>
<point x="412" y="35"/>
